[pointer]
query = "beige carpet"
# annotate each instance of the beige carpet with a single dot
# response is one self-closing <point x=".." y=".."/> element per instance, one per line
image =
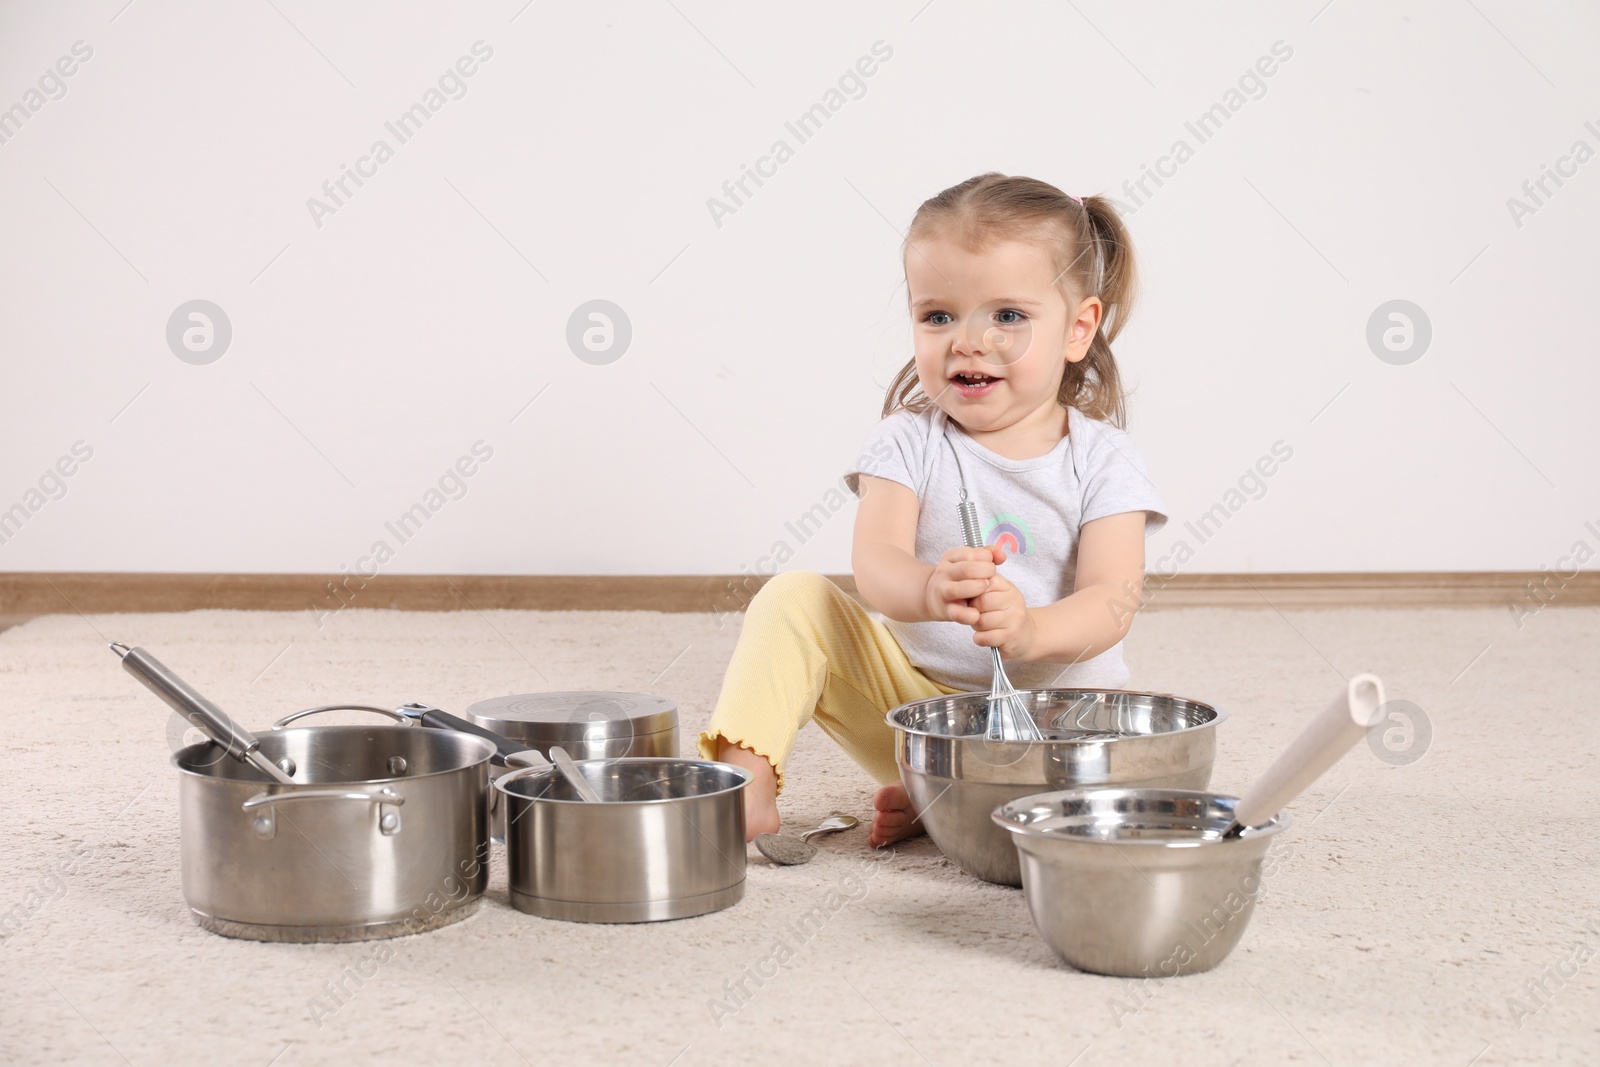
<point x="1419" y="908"/>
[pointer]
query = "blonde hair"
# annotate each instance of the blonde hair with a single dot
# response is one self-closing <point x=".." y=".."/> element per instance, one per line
<point x="1090" y="248"/>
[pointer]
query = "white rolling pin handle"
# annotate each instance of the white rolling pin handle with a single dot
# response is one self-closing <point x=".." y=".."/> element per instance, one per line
<point x="1346" y="720"/>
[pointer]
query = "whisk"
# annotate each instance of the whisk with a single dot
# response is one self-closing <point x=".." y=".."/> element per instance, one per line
<point x="1009" y="718"/>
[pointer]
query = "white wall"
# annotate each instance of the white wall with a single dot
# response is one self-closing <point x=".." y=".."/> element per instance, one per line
<point x="420" y="318"/>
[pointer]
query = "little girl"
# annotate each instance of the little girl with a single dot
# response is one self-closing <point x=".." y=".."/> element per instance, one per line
<point x="1016" y="291"/>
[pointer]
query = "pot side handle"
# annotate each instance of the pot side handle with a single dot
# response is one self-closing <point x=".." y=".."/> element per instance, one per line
<point x="265" y="824"/>
<point x="382" y="796"/>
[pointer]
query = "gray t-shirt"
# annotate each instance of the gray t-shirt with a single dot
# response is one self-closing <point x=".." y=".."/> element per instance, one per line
<point x="1033" y="506"/>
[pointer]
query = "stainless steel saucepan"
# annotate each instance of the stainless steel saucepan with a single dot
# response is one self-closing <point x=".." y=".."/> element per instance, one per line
<point x="665" y="840"/>
<point x="378" y="831"/>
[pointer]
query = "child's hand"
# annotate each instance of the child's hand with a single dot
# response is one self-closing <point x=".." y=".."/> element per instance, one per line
<point x="960" y="575"/>
<point x="1004" y="621"/>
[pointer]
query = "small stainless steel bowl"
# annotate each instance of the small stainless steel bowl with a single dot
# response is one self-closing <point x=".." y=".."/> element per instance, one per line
<point x="956" y="777"/>
<point x="1137" y="882"/>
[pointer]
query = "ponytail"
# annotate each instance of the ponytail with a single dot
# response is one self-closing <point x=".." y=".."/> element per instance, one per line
<point x="1093" y="385"/>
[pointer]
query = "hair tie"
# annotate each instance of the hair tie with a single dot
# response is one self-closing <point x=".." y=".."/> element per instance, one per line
<point x="1077" y="200"/>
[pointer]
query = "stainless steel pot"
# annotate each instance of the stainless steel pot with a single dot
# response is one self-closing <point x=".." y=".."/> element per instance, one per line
<point x="385" y="832"/>
<point x="588" y="724"/>
<point x="666" y="840"/>
<point x="956" y="777"/>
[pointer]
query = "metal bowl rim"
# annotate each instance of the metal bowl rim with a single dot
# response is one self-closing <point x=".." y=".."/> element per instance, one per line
<point x="1279" y="822"/>
<point x="1220" y="715"/>
<point x="745" y="777"/>
<point x="486" y="751"/>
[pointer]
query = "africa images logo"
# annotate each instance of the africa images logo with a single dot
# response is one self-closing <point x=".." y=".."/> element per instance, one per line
<point x="1009" y="532"/>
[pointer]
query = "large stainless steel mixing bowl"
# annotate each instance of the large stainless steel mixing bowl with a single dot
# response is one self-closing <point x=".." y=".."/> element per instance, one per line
<point x="1137" y="882"/>
<point x="1094" y="737"/>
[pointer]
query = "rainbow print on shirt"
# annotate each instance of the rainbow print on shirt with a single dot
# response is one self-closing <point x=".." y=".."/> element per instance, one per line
<point x="1010" y="532"/>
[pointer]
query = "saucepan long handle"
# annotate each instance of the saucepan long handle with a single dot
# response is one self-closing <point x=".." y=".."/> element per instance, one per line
<point x="508" y="753"/>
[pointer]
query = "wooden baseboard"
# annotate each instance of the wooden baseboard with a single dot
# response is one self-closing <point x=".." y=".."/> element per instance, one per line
<point x="1398" y="589"/>
<point x="27" y="594"/>
<point x="41" y="593"/>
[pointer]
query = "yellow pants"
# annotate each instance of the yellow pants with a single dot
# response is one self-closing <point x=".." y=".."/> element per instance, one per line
<point x="809" y="651"/>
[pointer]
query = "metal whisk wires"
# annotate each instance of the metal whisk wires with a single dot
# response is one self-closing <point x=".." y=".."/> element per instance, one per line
<point x="1009" y="718"/>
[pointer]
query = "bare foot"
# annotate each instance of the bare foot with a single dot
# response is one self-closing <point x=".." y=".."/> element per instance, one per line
<point x="893" y="818"/>
<point x="761" y="795"/>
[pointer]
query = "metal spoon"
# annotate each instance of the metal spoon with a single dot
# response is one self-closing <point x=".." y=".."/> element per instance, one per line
<point x="569" y="770"/>
<point x="788" y="851"/>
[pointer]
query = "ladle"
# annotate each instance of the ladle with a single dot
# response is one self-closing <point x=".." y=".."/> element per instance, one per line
<point x="201" y="713"/>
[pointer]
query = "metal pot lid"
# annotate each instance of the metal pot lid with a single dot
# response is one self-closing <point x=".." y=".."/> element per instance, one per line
<point x="554" y="718"/>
